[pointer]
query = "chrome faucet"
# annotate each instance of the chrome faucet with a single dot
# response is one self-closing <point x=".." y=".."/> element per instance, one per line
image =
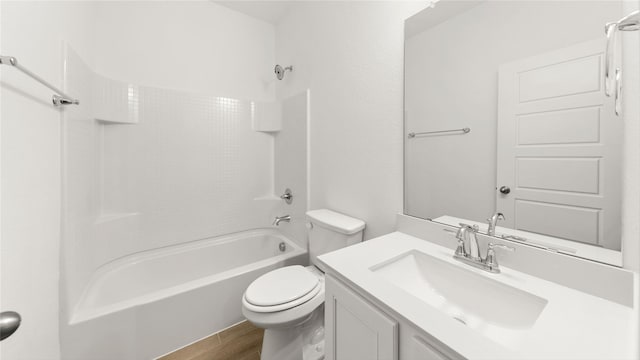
<point x="279" y="219"/>
<point x="491" y="231"/>
<point x="467" y="234"/>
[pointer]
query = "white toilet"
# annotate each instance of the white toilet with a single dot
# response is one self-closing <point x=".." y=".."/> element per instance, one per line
<point x="289" y="302"/>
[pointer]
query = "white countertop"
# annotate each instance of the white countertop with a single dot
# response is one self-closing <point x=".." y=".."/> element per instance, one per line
<point x="573" y="325"/>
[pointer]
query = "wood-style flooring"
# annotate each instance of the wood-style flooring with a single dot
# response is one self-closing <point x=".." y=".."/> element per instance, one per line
<point x="240" y="342"/>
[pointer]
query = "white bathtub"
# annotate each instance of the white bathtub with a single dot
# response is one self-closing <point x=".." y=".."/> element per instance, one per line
<point x="144" y="305"/>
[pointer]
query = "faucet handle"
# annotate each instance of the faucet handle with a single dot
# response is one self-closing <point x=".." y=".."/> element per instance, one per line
<point x="501" y="246"/>
<point x="459" y="234"/>
<point x="474" y="228"/>
<point x="493" y="220"/>
<point x="491" y="260"/>
<point x="287" y="196"/>
<point x="460" y="251"/>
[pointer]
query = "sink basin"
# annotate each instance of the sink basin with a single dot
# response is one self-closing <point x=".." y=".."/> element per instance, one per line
<point x="499" y="311"/>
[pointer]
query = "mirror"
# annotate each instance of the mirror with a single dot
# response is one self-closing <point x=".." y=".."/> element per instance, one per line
<point x="506" y="111"/>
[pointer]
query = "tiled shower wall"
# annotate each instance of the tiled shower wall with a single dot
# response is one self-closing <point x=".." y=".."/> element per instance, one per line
<point x="146" y="167"/>
<point x="189" y="169"/>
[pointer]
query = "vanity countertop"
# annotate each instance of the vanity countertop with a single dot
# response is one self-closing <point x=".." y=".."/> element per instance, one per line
<point x="573" y="324"/>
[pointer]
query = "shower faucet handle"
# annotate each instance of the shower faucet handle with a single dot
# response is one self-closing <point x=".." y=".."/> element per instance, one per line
<point x="287" y="196"/>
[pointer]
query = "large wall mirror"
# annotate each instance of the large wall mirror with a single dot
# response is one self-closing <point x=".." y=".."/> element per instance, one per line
<point x="510" y="107"/>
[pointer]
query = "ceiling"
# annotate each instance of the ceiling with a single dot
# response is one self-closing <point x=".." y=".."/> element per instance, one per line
<point x="269" y="11"/>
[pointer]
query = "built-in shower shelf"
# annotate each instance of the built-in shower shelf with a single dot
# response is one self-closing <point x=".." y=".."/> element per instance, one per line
<point x="109" y="217"/>
<point x="114" y="122"/>
<point x="115" y="102"/>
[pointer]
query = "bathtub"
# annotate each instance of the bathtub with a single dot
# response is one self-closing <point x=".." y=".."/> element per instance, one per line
<point x="147" y="304"/>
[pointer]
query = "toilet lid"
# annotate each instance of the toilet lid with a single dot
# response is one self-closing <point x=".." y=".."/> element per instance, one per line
<point x="281" y="286"/>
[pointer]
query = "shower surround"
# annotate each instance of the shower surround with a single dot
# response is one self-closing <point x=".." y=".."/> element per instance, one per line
<point x="146" y="168"/>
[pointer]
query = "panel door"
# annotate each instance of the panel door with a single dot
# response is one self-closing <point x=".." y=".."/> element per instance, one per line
<point x="559" y="146"/>
<point x="419" y="349"/>
<point x="356" y="329"/>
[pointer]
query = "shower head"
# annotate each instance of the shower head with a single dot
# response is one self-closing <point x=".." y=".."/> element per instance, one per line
<point x="279" y="70"/>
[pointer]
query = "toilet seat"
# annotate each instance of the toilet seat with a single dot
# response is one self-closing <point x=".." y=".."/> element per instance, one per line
<point x="281" y="289"/>
<point x="292" y="315"/>
<point x="281" y="307"/>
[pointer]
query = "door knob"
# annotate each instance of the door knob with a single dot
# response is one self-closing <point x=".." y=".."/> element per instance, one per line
<point x="505" y="190"/>
<point x="9" y="323"/>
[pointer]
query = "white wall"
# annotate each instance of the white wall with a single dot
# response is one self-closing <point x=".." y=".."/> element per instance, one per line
<point x="350" y="55"/>
<point x="631" y="159"/>
<point x="194" y="46"/>
<point x="30" y="146"/>
<point x="631" y="210"/>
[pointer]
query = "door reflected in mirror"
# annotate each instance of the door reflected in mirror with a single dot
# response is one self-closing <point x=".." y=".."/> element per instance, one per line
<point x="506" y="111"/>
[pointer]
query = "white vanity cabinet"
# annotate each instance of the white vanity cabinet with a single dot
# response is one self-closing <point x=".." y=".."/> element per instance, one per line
<point x="416" y="345"/>
<point x="357" y="329"/>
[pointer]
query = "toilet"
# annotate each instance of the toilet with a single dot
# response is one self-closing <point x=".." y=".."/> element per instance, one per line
<point x="289" y="302"/>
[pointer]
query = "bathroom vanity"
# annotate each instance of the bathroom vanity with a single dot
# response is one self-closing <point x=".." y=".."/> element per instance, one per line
<point x="405" y="297"/>
<point x="371" y="332"/>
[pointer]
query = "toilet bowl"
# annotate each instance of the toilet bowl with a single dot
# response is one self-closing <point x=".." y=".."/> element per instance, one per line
<point x="289" y="302"/>
<point x="293" y="326"/>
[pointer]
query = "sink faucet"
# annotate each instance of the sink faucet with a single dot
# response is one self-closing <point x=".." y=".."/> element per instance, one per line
<point x="492" y="223"/>
<point x="279" y="219"/>
<point x="467" y="234"/>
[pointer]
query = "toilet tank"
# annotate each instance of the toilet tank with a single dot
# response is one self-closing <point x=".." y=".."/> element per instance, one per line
<point x="329" y="231"/>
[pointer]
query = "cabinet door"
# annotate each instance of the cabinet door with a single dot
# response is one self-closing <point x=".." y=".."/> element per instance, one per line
<point x="420" y="349"/>
<point x="356" y="329"/>
<point x="417" y="345"/>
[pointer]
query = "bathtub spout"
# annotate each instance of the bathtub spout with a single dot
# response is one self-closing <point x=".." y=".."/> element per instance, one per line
<point x="279" y="219"/>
